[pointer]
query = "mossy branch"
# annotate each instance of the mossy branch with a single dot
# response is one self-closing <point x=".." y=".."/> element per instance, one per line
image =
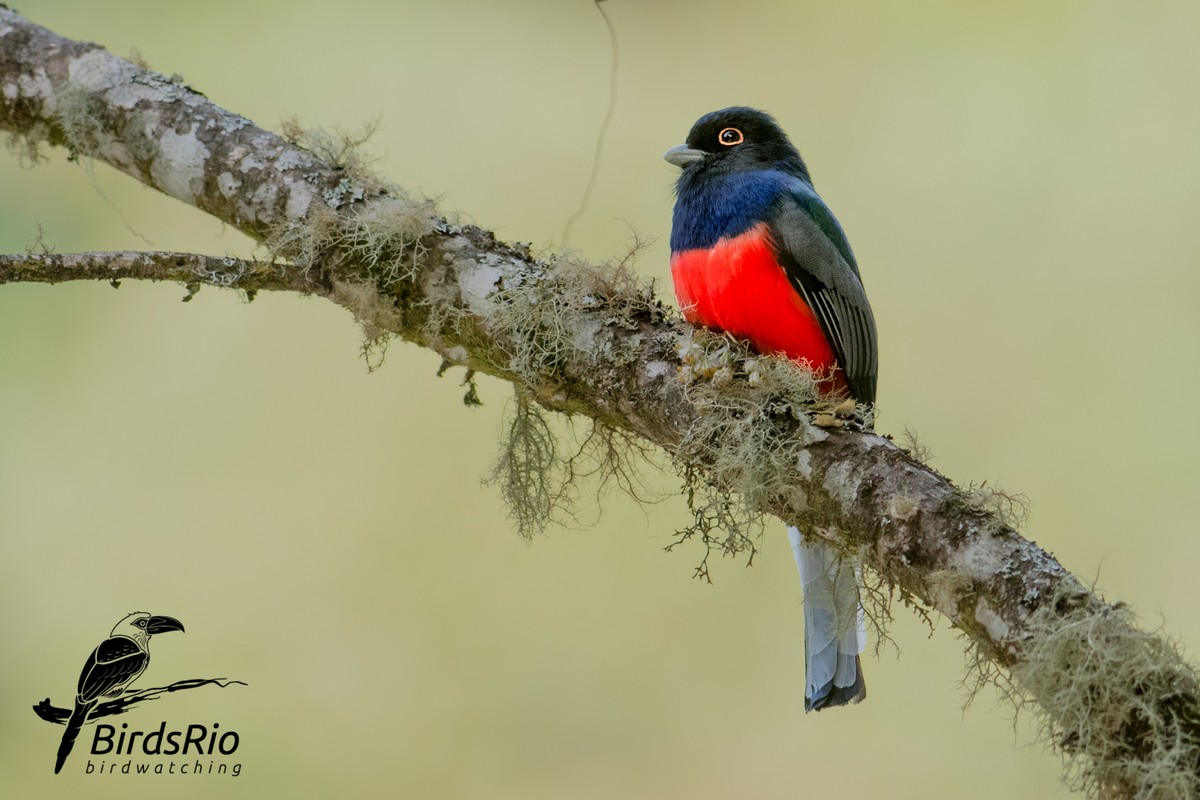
<point x="189" y="269"/>
<point x="590" y="341"/>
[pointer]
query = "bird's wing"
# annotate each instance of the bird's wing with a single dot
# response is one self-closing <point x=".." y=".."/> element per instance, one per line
<point x="114" y="663"/>
<point x="813" y="251"/>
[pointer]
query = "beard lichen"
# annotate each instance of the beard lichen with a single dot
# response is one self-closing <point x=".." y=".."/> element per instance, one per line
<point x="746" y="452"/>
<point x="561" y="312"/>
<point x="529" y="470"/>
<point x="382" y="240"/>
<point x="377" y="314"/>
<point x="1120" y="704"/>
<point x="80" y="115"/>
<point x="745" y="449"/>
<point x="343" y="149"/>
<point x="555" y="319"/>
<point x="378" y="245"/>
<point x="544" y="463"/>
<point x="1000" y="509"/>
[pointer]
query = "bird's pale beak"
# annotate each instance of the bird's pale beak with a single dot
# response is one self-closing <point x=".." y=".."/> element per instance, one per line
<point x="682" y="155"/>
<point x="163" y="624"/>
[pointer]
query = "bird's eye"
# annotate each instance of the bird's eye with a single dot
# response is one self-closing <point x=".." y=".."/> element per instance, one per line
<point x="730" y="136"/>
<point x="141" y="623"/>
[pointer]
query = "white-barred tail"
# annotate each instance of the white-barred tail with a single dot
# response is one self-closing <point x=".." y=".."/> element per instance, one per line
<point x="835" y="630"/>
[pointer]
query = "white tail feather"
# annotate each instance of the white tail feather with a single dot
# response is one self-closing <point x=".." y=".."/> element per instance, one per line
<point x="835" y="631"/>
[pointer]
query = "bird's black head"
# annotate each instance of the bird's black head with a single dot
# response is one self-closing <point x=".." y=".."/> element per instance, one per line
<point x="738" y="139"/>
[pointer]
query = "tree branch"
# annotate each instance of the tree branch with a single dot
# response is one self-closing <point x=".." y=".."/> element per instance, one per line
<point x="593" y="341"/>
<point x="186" y="268"/>
<point x="59" y="716"/>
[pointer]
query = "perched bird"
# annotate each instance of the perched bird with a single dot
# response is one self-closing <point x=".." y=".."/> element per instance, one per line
<point x="757" y="253"/>
<point x="112" y="666"/>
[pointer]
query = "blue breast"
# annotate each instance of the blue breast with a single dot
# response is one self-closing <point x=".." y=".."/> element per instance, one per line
<point x="710" y="207"/>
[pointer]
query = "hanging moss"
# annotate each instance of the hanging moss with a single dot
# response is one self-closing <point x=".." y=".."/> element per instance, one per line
<point x="1120" y="704"/>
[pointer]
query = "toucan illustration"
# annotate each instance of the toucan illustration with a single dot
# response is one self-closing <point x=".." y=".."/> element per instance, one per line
<point x="111" y="667"/>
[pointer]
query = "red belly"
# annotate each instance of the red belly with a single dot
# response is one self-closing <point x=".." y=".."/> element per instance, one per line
<point x="737" y="286"/>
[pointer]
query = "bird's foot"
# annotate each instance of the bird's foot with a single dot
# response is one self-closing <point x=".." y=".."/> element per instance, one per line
<point x="846" y="415"/>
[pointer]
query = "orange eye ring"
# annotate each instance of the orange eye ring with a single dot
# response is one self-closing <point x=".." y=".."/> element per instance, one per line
<point x="730" y="136"/>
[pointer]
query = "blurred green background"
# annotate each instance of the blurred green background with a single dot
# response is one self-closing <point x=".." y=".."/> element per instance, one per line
<point x="1020" y="183"/>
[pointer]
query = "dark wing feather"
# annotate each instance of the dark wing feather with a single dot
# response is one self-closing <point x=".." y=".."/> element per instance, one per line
<point x="114" y="663"/>
<point x="818" y="261"/>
